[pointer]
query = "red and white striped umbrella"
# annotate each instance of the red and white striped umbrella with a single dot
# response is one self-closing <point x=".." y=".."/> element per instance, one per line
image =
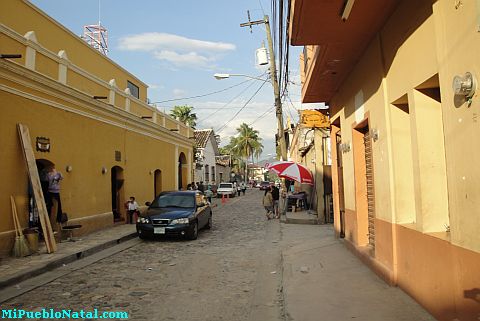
<point x="292" y="170"/>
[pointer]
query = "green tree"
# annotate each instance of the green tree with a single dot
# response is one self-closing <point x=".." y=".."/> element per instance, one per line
<point x="185" y="115"/>
<point x="248" y="144"/>
<point x="242" y="147"/>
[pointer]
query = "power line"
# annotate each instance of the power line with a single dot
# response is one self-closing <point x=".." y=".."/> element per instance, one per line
<point x="268" y="111"/>
<point x="238" y="112"/>
<point x="223" y="107"/>
<point x="203" y="95"/>
<point x="261" y="6"/>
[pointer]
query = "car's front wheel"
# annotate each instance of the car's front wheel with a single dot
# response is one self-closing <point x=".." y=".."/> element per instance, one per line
<point x="209" y="223"/>
<point x="193" y="233"/>
<point x="142" y="236"/>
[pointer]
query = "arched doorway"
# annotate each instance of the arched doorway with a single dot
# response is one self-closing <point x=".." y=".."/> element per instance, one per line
<point x="157" y="182"/>
<point x="43" y="167"/>
<point x="118" y="194"/>
<point x="182" y="172"/>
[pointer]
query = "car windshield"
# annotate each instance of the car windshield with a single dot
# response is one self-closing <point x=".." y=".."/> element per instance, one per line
<point x="225" y="186"/>
<point x="174" y="200"/>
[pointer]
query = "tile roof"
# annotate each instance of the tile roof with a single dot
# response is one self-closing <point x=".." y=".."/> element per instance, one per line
<point x="202" y="136"/>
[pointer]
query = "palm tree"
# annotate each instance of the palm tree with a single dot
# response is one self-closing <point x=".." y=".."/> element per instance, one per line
<point x="248" y="144"/>
<point x="185" y="115"/>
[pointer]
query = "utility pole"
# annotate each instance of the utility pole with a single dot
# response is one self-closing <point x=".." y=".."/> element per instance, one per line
<point x="273" y="76"/>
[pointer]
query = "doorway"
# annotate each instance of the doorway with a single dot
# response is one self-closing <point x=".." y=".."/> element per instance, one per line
<point x="157" y="182"/>
<point x="364" y="185"/>
<point x="341" y="195"/>
<point x="182" y="171"/>
<point x="43" y="167"/>
<point x="118" y="194"/>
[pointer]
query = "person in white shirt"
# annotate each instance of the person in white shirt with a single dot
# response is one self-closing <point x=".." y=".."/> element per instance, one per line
<point x="132" y="207"/>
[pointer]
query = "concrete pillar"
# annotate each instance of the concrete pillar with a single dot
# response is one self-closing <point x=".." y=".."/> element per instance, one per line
<point x="176" y="167"/>
<point x="111" y="94"/>
<point x="189" y="163"/>
<point x="127" y="100"/>
<point x="62" y="67"/>
<point x="319" y="187"/>
<point x="30" y="51"/>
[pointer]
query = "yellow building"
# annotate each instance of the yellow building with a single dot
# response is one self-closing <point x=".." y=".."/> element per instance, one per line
<point x="107" y="149"/>
<point x="309" y="146"/>
<point x="405" y="175"/>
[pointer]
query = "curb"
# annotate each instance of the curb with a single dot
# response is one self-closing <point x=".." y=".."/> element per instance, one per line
<point x="301" y="221"/>
<point x="60" y="261"/>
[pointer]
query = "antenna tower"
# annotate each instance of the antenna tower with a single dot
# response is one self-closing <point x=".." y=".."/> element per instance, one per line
<point x="96" y="35"/>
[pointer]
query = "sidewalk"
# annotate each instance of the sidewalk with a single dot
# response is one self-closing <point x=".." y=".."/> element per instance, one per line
<point x="14" y="270"/>
<point x="301" y="217"/>
<point x="322" y="280"/>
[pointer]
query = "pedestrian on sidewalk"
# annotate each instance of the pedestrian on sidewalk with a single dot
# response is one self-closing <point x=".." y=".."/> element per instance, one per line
<point x="268" y="203"/>
<point x="275" y="197"/>
<point x="244" y="188"/>
<point x="132" y="208"/>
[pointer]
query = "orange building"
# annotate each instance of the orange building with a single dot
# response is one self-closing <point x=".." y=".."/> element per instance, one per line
<point x="405" y="181"/>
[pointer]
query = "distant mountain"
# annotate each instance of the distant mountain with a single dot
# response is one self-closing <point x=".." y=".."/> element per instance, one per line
<point x="265" y="161"/>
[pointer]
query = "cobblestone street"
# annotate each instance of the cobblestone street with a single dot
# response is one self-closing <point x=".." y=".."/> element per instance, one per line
<point x="244" y="268"/>
<point x="212" y="278"/>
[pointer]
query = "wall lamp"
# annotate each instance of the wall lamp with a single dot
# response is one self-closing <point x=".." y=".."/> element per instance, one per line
<point x="174" y="129"/>
<point x="374" y="133"/>
<point x="10" y="56"/>
<point x="100" y="97"/>
<point x="465" y="85"/>
<point x="147" y="117"/>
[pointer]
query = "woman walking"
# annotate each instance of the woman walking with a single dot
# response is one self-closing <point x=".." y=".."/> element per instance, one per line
<point x="268" y="203"/>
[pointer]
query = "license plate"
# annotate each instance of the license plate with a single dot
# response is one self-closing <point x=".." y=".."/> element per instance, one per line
<point x="159" y="230"/>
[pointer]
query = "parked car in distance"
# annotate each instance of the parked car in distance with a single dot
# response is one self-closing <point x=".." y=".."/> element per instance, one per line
<point x="264" y="185"/>
<point x="177" y="213"/>
<point x="226" y="189"/>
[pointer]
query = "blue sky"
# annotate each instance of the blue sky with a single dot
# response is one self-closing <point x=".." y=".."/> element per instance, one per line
<point x="176" y="47"/>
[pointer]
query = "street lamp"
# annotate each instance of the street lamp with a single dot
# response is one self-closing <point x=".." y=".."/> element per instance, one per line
<point x="225" y="76"/>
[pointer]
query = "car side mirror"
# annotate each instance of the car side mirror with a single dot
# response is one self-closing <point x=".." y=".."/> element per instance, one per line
<point x="148" y="203"/>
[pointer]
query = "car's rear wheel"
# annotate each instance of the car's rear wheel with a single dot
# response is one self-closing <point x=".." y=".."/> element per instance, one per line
<point x="209" y="223"/>
<point x="193" y="233"/>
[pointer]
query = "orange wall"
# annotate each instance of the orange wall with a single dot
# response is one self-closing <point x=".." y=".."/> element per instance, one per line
<point x="437" y="274"/>
<point x="442" y="277"/>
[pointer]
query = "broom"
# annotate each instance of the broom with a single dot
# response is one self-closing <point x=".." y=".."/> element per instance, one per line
<point x="20" y="247"/>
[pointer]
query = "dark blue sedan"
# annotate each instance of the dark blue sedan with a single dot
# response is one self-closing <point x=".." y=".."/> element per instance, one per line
<point x="179" y="213"/>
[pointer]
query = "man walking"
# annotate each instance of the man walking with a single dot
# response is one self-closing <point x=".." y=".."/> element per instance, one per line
<point x="275" y="197"/>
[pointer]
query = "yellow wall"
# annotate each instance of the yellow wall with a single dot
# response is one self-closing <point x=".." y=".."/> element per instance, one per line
<point x="84" y="133"/>
<point x="427" y="198"/>
<point x="457" y="50"/>
<point x="55" y="37"/>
